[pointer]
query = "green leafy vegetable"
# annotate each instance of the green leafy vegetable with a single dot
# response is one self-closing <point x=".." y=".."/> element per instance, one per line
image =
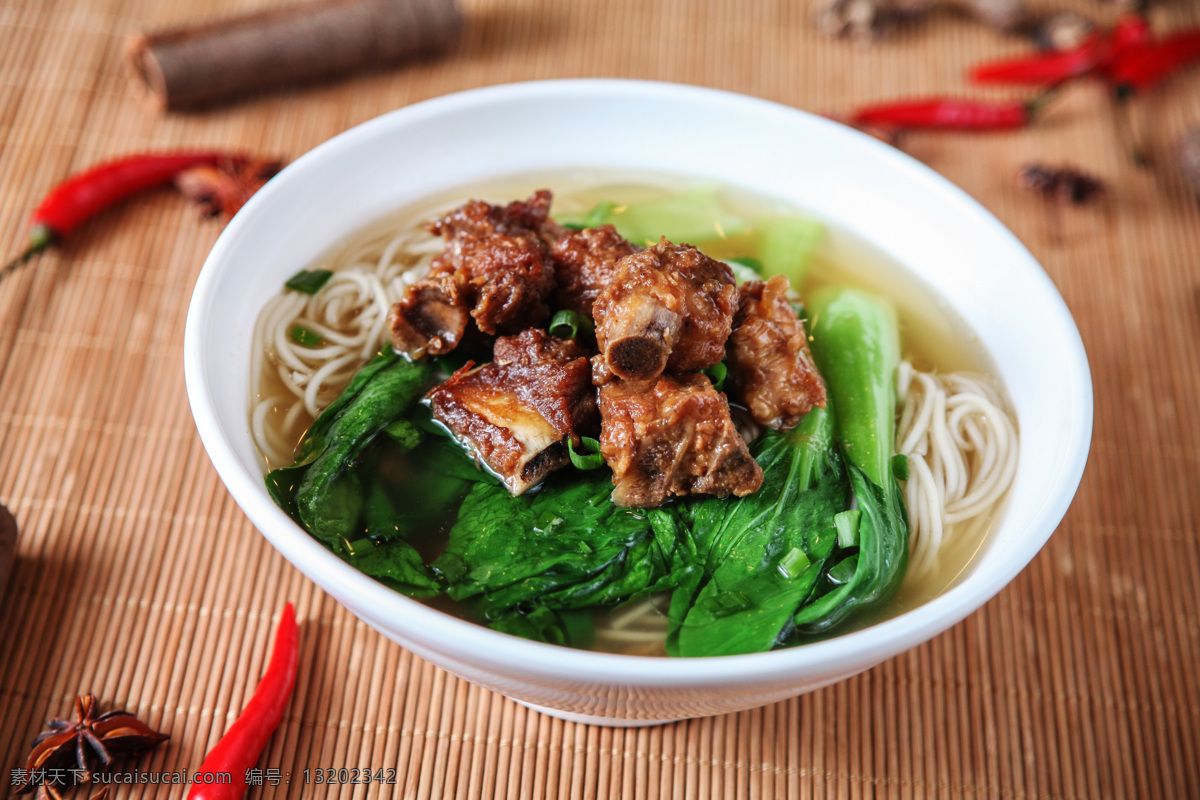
<point x="741" y="273"/>
<point x="309" y="281"/>
<point x="786" y="246"/>
<point x="694" y="216"/>
<point x="564" y="548"/>
<point x="856" y="345"/>
<point x="752" y="264"/>
<point x="395" y="563"/>
<point x="716" y="375"/>
<point x="319" y="489"/>
<point x="768" y="547"/>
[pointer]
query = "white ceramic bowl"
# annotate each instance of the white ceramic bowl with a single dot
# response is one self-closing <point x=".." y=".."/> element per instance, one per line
<point x="850" y="180"/>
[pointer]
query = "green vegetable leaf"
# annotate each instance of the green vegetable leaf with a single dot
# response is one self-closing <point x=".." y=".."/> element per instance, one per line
<point x="716" y="375"/>
<point x="786" y="246"/>
<point x="695" y="216"/>
<point x="309" y="281"/>
<point x="395" y="563"/>
<point x="767" y="548"/>
<point x="564" y="548"/>
<point x="856" y="344"/>
<point x="319" y="489"/>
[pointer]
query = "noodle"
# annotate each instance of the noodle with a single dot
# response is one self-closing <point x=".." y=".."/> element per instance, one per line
<point x="348" y="314"/>
<point x="962" y="455"/>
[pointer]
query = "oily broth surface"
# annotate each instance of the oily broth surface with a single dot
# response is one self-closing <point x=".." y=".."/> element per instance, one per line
<point x="931" y="336"/>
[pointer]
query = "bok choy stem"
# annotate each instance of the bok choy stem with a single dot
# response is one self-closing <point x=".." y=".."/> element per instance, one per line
<point x="856" y="344"/>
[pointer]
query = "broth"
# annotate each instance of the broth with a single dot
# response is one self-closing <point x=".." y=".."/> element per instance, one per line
<point x="931" y="337"/>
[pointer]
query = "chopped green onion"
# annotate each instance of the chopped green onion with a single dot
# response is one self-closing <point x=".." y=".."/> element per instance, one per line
<point x="309" y="281"/>
<point x="847" y="526"/>
<point x="588" y="456"/>
<point x="900" y="466"/>
<point x="303" y="336"/>
<point x="359" y="547"/>
<point x="716" y="373"/>
<point x="569" y="324"/>
<point x="592" y="219"/>
<point x="793" y="563"/>
<point x="600" y="214"/>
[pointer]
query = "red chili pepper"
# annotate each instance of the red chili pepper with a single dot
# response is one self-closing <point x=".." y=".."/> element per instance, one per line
<point x="1131" y="30"/>
<point x="239" y="749"/>
<point x="941" y="113"/>
<point x="87" y="193"/>
<point x="1047" y="69"/>
<point x="1141" y="68"/>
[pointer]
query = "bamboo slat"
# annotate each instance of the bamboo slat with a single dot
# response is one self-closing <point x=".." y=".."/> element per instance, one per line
<point x="140" y="580"/>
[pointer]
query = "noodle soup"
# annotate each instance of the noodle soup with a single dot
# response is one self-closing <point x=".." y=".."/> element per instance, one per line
<point x="951" y="418"/>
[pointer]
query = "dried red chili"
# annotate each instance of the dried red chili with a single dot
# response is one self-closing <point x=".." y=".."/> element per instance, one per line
<point x="239" y="749"/>
<point x="941" y="113"/>
<point x="87" y="193"/>
<point x="1140" y="68"/>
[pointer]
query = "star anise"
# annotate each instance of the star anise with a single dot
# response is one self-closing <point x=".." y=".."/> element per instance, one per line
<point x="225" y="188"/>
<point x="68" y="752"/>
<point x="1062" y="184"/>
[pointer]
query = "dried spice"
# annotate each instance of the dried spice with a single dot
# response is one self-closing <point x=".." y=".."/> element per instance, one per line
<point x="1065" y="185"/>
<point x="867" y="20"/>
<point x="1061" y="186"/>
<point x="225" y="187"/>
<point x="67" y="753"/>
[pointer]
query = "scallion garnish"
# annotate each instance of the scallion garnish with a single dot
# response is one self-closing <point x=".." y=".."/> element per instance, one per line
<point x="716" y="373"/>
<point x="303" y="336"/>
<point x="309" y="281"/>
<point x="599" y="215"/>
<point x="793" y="563"/>
<point x="588" y="455"/>
<point x="847" y="526"/>
<point x="568" y="324"/>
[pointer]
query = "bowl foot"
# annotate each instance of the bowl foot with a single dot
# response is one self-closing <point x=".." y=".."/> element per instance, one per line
<point x="588" y="719"/>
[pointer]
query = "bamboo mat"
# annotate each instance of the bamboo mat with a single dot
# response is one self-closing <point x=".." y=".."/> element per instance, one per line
<point x="139" y="579"/>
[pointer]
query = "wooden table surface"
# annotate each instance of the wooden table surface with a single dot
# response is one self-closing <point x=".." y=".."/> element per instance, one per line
<point x="139" y="579"/>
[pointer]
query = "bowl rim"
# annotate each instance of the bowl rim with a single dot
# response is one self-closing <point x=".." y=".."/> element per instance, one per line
<point x="471" y="642"/>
